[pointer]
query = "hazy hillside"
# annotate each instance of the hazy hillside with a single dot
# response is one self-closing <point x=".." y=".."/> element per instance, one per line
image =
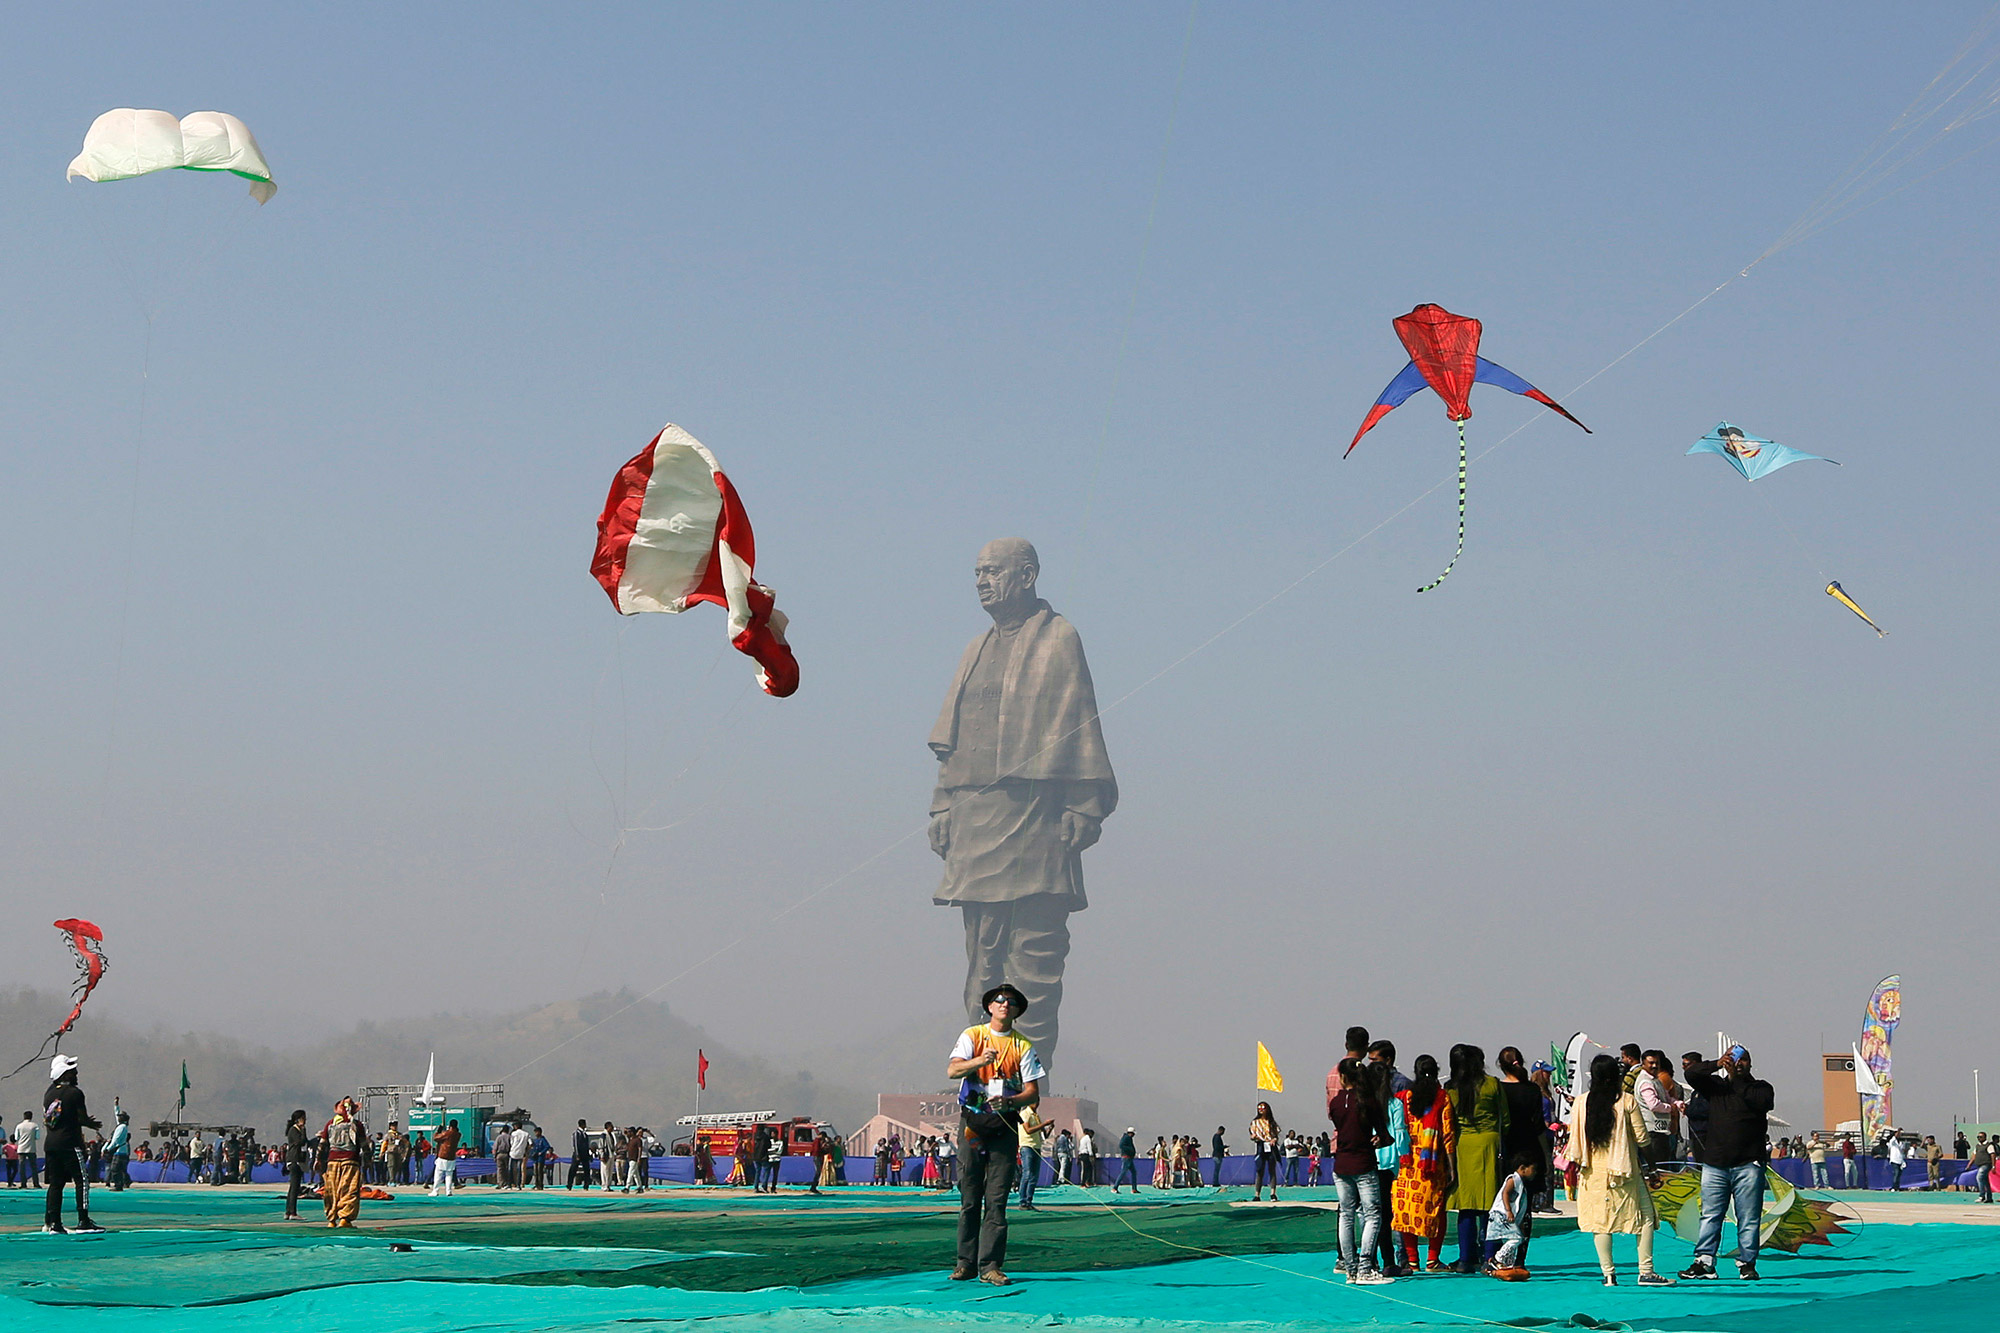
<point x="638" y="1068"/>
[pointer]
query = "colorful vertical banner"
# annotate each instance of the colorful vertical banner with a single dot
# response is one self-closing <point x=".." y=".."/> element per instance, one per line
<point x="1878" y="1029"/>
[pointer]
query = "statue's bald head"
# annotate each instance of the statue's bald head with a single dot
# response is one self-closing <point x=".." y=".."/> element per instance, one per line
<point x="1010" y="551"/>
<point x="1005" y="576"/>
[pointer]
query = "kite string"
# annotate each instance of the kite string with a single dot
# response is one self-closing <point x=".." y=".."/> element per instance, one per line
<point x="1138" y="280"/>
<point x="1790" y="531"/>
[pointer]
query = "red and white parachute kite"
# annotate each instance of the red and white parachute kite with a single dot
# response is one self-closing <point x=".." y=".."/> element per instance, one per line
<point x="674" y="533"/>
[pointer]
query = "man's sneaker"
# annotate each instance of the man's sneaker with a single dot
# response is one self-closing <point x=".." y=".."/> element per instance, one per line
<point x="1747" y="1272"/>
<point x="1701" y="1270"/>
<point x="1654" y="1280"/>
<point x="86" y="1227"/>
<point x="54" y="1229"/>
<point x="1611" y="1279"/>
<point x="1369" y="1277"/>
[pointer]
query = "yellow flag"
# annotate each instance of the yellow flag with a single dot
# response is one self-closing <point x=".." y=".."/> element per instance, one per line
<point x="1268" y="1077"/>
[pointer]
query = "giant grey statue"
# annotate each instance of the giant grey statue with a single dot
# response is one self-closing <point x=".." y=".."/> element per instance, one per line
<point x="1024" y="787"/>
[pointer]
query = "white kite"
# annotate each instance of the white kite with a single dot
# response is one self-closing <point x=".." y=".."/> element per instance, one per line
<point x="126" y="143"/>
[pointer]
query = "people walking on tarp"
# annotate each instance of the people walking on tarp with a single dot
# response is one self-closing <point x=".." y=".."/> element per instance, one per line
<point x="1981" y="1161"/>
<point x="118" y="1154"/>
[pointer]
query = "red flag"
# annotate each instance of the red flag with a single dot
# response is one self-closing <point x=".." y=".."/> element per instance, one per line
<point x="701" y="1070"/>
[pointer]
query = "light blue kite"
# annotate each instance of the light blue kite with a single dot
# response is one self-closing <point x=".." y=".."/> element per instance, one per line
<point x="1752" y="455"/>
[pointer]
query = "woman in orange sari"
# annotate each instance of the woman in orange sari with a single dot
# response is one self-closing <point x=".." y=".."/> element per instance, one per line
<point x="1424" y="1184"/>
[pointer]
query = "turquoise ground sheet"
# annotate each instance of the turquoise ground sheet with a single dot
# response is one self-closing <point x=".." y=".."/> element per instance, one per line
<point x="223" y="1277"/>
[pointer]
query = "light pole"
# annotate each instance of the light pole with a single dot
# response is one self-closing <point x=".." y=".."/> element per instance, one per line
<point x="1975" y="1098"/>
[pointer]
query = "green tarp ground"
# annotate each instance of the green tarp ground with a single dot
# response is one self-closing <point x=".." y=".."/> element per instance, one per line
<point x="482" y="1272"/>
<point x="195" y="1268"/>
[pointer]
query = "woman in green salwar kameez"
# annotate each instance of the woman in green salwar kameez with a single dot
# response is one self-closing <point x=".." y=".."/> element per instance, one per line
<point x="1481" y="1110"/>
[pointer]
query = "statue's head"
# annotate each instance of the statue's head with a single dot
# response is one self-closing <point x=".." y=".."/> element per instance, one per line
<point x="1005" y="576"/>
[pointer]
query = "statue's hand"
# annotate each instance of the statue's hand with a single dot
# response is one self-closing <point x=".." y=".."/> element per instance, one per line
<point x="941" y="832"/>
<point x="1080" y="831"/>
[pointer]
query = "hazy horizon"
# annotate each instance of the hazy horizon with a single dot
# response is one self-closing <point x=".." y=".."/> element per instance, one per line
<point x="315" y="708"/>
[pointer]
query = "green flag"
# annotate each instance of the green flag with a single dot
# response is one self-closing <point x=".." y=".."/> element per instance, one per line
<point x="181" y="1105"/>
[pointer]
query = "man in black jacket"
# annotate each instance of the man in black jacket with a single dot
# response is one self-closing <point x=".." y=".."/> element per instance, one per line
<point x="579" y="1157"/>
<point x="66" y="1117"/>
<point x="1732" y="1163"/>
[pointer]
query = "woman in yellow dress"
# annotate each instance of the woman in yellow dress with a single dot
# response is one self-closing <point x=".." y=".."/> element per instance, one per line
<point x="1481" y="1110"/>
<point x="1612" y="1197"/>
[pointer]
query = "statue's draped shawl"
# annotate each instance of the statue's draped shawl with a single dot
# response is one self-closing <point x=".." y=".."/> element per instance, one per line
<point x="1048" y="709"/>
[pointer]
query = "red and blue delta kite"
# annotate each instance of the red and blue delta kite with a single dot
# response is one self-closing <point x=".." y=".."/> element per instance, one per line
<point x="1444" y="354"/>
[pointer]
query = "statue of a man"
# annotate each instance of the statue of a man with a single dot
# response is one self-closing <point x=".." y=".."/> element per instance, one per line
<point x="1023" y="788"/>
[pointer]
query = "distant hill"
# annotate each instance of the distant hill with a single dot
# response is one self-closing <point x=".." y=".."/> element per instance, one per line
<point x="637" y="1068"/>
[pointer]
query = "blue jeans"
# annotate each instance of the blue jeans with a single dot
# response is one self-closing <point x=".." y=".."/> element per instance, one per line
<point x="1031" y="1175"/>
<point x="1720" y="1184"/>
<point x="1128" y="1174"/>
<point x="1360" y="1219"/>
<point x="1819" y="1174"/>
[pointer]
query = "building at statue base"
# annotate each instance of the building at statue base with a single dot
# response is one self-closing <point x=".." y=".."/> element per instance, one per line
<point x="913" y="1115"/>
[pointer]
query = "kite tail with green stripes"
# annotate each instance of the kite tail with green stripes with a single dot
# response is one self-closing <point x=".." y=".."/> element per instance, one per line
<point x="1461" y="514"/>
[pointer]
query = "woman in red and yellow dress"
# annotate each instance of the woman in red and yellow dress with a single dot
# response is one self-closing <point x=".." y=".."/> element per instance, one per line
<point x="1424" y="1184"/>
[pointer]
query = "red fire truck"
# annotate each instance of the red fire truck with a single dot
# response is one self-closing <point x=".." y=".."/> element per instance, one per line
<point x="731" y="1132"/>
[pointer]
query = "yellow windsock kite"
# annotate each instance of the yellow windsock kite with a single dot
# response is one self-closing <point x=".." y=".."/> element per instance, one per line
<point x="1268" y="1077"/>
<point x="1839" y="594"/>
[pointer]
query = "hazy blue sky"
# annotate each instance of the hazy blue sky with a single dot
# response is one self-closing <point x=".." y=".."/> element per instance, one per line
<point x="312" y="703"/>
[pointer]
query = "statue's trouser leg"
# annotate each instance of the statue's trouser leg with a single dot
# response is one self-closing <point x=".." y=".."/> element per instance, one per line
<point x="1025" y="943"/>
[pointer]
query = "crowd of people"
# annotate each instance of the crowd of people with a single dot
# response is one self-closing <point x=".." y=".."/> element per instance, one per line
<point x="1419" y="1160"/>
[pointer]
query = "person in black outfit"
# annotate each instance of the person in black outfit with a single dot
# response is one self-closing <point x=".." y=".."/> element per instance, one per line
<point x="579" y="1157"/>
<point x="1218" y="1150"/>
<point x="295" y="1163"/>
<point x="1696" y="1115"/>
<point x="1732" y="1162"/>
<point x="1527" y="1132"/>
<point x="65" y="1117"/>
